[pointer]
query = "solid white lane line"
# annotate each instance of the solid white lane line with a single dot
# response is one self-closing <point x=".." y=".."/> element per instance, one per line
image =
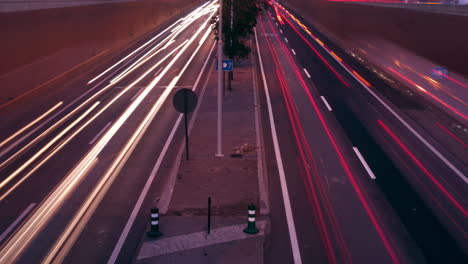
<point x="293" y="51"/>
<point x="284" y="188"/>
<point x="326" y="103"/>
<point x="281" y="31"/>
<point x="286" y="39"/>
<point x="16" y="222"/>
<point x="141" y="198"/>
<point x="100" y="133"/>
<point x="364" y="163"/>
<point x="307" y="73"/>
<point x="397" y="116"/>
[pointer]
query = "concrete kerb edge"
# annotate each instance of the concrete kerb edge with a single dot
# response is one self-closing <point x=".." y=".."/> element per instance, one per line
<point x="166" y="197"/>
<point x="264" y="205"/>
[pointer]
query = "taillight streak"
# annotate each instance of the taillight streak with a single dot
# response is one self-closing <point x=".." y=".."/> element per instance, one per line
<point x="426" y="171"/>
<point x="355" y="185"/>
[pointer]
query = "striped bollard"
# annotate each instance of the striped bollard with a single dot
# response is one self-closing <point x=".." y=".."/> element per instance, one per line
<point x="251" y="229"/>
<point x="154" y="232"/>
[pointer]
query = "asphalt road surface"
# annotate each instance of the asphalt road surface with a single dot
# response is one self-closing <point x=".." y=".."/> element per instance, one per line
<point x="357" y="170"/>
<point x="369" y="179"/>
<point x="72" y="179"/>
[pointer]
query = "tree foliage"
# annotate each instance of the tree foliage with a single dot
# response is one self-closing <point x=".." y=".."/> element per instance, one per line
<point x="239" y="19"/>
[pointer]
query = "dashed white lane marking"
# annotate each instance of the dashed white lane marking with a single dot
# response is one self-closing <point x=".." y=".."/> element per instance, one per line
<point x="279" y="161"/>
<point x="307" y="73"/>
<point x="196" y="240"/>
<point x="99" y="134"/>
<point x="276" y="24"/>
<point x="408" y="126"/>
<point x="286" y="39"/>
<point x="16" y="222"/>
<point x="281" y="31"/>
<point x="364" y="163"/>
<point x="294" y="52"/>
<point x="326" y="103"/>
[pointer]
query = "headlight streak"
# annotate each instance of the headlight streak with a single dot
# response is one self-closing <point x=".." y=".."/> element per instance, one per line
<point x="79" y="221"/>
<point x="131" y="54"/>
<point x="149" y="42"/>
<point x="31" y="124"/>
<point x="37" y="139"/>
<point x="47" y="146"/>
<point x="169" y="39"/>
<point x="42" y="215"/>
<point x="86" y="124"/>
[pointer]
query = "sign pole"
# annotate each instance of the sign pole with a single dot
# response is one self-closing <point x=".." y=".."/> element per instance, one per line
<point x="186" y="125"/>
<point x="219" y="152"/>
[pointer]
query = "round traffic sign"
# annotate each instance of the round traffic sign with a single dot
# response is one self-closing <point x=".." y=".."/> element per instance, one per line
<point x="185" y="100"/>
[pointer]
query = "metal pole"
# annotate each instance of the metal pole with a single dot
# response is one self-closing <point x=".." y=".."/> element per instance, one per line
<point x="219" y="152"/>
<point x="209" y="214"/>
<point x="186" y="126"/>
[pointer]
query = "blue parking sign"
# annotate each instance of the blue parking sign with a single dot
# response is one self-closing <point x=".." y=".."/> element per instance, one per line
<point x="227" y="65"/>
<point x="439" y="72"/>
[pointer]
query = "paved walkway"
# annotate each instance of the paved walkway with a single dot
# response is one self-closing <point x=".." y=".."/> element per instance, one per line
<point x="231" y="182"/>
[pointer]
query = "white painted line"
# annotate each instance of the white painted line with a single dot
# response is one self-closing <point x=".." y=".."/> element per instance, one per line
<point x="286" y="39"/>
<point x="279" y="161"/>
<point x="138" y="93"/>
<point x="276" y="23"/>
<point x="294" y="52"/>
<point x="16" y="222"/>
<point x="141" y="198"/>
<point x="307" y="73"/>
<point x="281" y="31"/>
<point x="326" y="103"/>
<point x="364" y="163"/>
<point x="411" y="129"/>
<point x="157" y="72"/>
<point x="100" y="133"/>
<point x="179" y="243"/>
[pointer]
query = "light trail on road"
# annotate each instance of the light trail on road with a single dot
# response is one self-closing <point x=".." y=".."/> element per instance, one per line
<point x="55" y="200"/>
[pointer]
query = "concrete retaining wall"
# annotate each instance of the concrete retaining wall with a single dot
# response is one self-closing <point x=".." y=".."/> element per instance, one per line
<point x="438" y="37"/>
<point x="24" y="5"/>
<point x="69" y="36"/>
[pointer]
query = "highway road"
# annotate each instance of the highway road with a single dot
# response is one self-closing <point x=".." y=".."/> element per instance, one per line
<point x="360" y="170"/>
<point x="79" y="157"/>
<point x="364" y="175"/>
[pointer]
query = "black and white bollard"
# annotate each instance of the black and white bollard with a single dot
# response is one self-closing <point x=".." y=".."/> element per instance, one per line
<point x="251" y="229"/>
<point x="154" y="232"/>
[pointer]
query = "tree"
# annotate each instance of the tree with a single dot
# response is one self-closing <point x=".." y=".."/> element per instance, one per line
<point x="239" y="19"/>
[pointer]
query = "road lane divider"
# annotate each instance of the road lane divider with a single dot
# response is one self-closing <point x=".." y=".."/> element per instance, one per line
<point x="294" y="52"/>
<point x="100" y="133"/>
<point x="279" y="161"/>
<point x="16" y="222"/>
<point x="364" y="163"/>
<point x="31" y="124"/>
<point x="326" y="103"/>
<point x="307" y="73"/>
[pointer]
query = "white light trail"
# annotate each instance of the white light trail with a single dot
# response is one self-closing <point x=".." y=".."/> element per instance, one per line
<point x="31" y="124"/>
